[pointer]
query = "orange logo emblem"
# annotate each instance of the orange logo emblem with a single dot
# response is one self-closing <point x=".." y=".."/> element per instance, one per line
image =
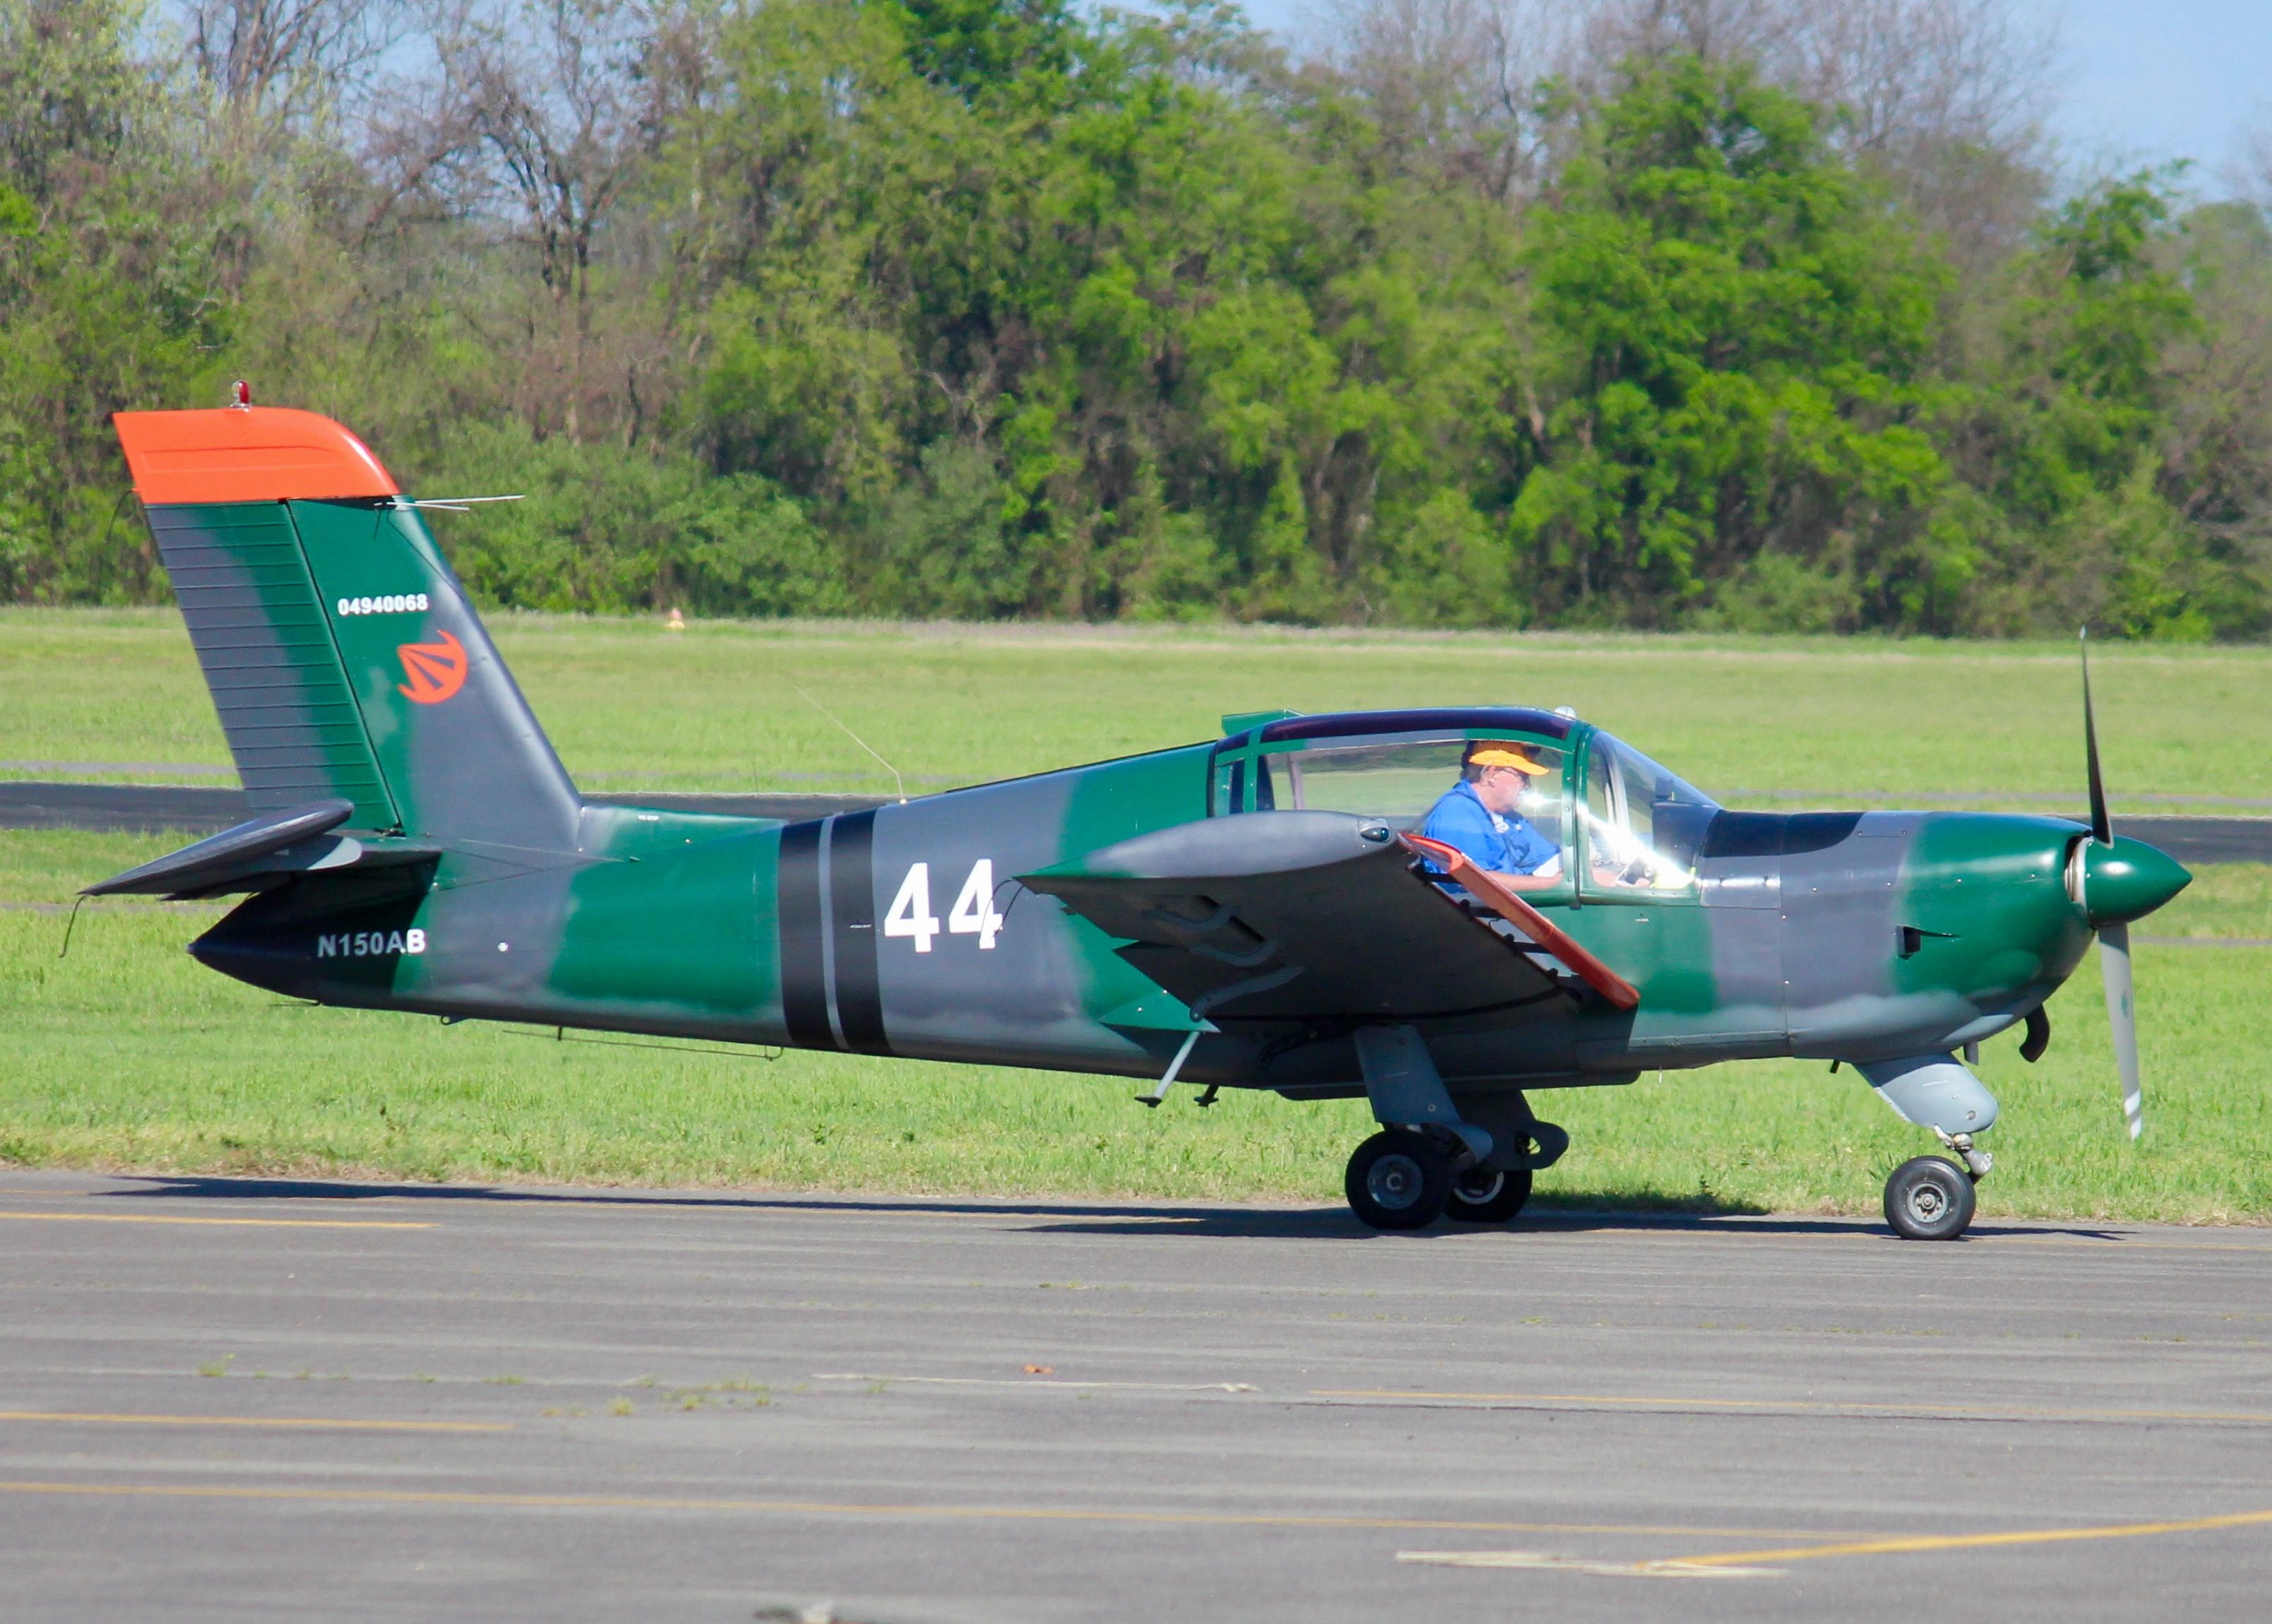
<point x="436" y="670"/>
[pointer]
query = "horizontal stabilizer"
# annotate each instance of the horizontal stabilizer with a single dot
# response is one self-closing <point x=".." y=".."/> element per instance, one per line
<point x="297" y="840"/>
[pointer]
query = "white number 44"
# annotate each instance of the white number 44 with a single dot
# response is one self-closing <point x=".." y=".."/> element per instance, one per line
<point x="972" y="914"/>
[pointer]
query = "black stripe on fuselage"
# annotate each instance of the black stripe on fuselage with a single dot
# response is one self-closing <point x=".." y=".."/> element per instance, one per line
<point x="852" y="910"/>
<point x="804" y="980"/>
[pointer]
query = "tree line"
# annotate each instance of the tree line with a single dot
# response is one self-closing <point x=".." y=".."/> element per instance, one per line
<point x="1752" y="315"/>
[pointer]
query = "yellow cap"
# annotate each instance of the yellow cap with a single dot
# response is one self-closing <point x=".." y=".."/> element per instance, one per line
<point x="1501" y="754"/>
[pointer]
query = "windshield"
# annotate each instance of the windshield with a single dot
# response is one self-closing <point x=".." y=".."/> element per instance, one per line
<point x="1643" y="822"/>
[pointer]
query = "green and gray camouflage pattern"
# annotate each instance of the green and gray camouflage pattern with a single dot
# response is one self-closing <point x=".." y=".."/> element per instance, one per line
<point x="1235" y="909"/>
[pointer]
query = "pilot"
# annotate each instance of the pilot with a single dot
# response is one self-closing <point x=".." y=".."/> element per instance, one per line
<point x="1478" y="816"/>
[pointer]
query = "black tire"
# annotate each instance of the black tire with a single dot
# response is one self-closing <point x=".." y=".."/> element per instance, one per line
<point x="1398" y="1180"/>
<point x="1485" y="1195"/>
<point x="1929" y="1199"/>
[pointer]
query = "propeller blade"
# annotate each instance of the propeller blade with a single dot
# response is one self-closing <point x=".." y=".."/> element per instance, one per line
<point x="2114" y="940"/>
<point x="2122" y="1015"/>
<point x="2102" y="827"/>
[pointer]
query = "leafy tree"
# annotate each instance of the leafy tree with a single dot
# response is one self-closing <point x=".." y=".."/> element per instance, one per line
<point x="114" y="264"/>
<point x="1736" y="326"/>
<point x="975" y="46"/>
<point x="2068" y="438"/>
<point x="1014" y="308"/>
<point x="602" y="528"/>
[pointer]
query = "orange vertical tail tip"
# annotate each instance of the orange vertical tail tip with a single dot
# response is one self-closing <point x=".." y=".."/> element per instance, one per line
<point x="257" y="454"/>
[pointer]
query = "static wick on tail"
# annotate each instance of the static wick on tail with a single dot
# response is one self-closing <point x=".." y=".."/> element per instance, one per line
<point x="2113" y="940"/>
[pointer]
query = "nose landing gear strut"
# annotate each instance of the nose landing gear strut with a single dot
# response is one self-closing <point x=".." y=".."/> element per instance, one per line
<point x="1930" y="1197"/>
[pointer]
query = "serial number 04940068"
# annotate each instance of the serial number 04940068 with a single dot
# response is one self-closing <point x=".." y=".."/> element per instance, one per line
<point x="395" y="603"/>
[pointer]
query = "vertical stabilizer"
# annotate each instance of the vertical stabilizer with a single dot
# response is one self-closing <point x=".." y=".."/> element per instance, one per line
<point x="342" y="654"/>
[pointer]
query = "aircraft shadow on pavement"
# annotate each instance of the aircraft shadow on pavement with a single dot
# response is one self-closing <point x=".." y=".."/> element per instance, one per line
<point x="1091" y="1217"/>
<point x="219" y="1187"/>
<point x="1337" y="1223"/>
<point x="1073" y="1217"/>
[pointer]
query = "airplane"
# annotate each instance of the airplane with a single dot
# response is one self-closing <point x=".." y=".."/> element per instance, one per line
<point x="1258" y="910"/>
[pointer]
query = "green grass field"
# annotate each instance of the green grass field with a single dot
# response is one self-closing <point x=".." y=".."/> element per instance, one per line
<point x="1847" y="721"/>
<point x="126" y="1054"/>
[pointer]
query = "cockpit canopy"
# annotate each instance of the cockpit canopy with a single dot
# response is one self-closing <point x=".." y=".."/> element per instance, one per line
<point x="1623" y="821"/>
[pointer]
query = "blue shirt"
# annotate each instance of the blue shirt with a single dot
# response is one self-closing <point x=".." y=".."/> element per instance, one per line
<point x="1504" y="844"/>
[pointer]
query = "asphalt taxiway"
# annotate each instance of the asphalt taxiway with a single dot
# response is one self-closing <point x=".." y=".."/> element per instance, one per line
<point x="236" y="1399"/>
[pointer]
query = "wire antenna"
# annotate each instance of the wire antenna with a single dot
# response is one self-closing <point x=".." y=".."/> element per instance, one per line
<point x="456" y="505"/>
<point x="896" y="782"/>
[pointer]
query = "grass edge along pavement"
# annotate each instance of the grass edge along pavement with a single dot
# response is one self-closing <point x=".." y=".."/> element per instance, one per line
<point x="138" y="1060"/>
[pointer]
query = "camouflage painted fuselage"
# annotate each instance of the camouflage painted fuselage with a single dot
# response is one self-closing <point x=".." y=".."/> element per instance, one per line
<point x="1849" y="936"/>
<point x="470" y="880"/>
<point x="721" y="927"/>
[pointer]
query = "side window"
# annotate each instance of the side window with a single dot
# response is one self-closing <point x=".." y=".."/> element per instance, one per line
<point x="1228" y="789"/>
<point x="1541" y="799"/>
<point x="1242" y="783"/>
<point x="1398" y="780"/>
<point x="1401" y="779"/>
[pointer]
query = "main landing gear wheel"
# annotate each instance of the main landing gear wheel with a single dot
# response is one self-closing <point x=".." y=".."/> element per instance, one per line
<point x="1483" y="1194"/>
<point x="1929" y="1199"/>
<point x="1398" y="1180"/>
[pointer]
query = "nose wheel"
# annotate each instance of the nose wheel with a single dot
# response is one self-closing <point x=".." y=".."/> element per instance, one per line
<point x="1929" y="1198"/>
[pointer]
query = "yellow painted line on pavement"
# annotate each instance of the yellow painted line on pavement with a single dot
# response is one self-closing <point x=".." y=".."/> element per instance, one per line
<point x="1973" y="1542"/>
<point x="317" y="1423"/>
<point x="1551" y="1562"/>
<point x="155" y="1218"/>
<point x="1760" y="1564"/>
<point x="1954" y="1412"/>
<point x="823" y="1508"/>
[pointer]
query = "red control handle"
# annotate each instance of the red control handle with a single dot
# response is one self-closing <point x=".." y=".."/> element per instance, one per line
<point x="1523" y="917"/>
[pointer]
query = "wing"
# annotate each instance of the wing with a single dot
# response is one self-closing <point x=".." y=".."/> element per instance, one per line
<point x="1296" y="915"/>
